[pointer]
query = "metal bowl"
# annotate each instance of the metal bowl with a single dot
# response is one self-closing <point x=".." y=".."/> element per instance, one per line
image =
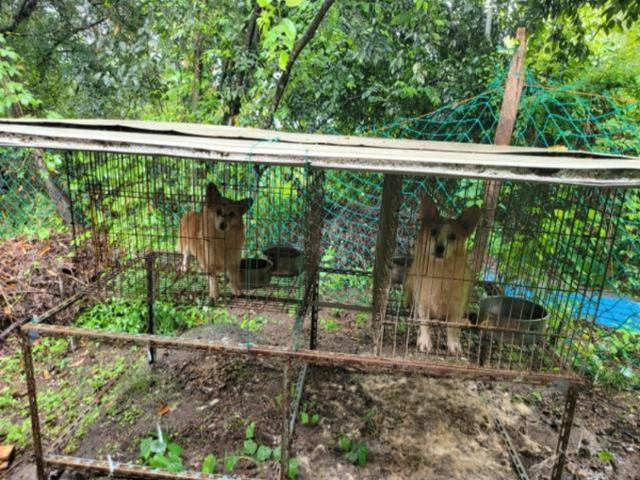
<point x="513" y="317"/>
<point x="255" y="273"/>
<point x="400" y="265"/>
<point x="287" y="261"/>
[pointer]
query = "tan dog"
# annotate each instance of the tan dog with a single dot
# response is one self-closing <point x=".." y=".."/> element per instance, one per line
<point x="215" y="236"/>
<point x="439" y="280"/>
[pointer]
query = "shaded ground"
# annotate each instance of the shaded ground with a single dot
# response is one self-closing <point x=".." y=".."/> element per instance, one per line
<point x="412" y="427"/>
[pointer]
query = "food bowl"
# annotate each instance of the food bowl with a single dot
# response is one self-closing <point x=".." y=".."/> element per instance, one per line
<point x="400" y="265"/>
<point x="513" y="317"/>
<point x="255" y="273"/>
<point x="287" y="261"/>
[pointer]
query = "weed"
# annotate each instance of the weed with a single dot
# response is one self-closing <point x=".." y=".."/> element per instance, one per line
<point x="160" y="452"/>
<point x="354" y="452"/>
<point x="329" y="324"/>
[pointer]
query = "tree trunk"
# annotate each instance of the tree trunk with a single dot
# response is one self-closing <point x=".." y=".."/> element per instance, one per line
<point x="58" y="196"/>
<point x="283" y="81"/>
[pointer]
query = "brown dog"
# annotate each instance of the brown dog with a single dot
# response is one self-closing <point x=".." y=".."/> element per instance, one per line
<point x="439" y="280"/>
<point x="215" y="236"/>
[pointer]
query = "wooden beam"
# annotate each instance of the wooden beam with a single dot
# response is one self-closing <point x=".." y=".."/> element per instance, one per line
<point x="508" y="113"/>
<point x="385" y="248"/>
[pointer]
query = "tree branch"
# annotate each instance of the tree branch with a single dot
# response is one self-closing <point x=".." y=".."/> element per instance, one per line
<point x="24" y="12"/>
<point x="283" y="81"/>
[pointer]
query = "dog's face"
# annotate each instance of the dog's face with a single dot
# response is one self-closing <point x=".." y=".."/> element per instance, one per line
<point x="441" y="237"/>
<point x="226" y="213"/>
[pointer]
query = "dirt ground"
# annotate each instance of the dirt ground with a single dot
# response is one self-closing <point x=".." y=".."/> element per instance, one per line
<point x="413" y="427"/>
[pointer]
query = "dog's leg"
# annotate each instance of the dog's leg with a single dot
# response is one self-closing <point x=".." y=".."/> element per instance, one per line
<point x="234" y="281"/>
<point x="214" y="291"/>
<point x="185" y="259"/>
<point x="424" y="339"/>
<point x="453" y="334"/>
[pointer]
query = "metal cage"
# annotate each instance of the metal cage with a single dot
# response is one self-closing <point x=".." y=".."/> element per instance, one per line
<point x="346" y="228"/>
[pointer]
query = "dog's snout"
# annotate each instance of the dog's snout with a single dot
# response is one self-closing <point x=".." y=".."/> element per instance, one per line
<point x="440" y="250"/>
<point x="223" y="226"/>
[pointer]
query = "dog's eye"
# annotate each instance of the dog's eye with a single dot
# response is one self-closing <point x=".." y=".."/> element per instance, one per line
<point x="231" y="214"/>
<point x="219" y="211"/>
<point x="452" y="237"/>
<point x="434" y="232"/>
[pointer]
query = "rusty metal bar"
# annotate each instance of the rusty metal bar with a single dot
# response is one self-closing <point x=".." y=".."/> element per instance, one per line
<point x="284" y="442"/>
<point x="124" y="470"/>
<point x="565" y="432"/>
<point x="149" y="263"/>
<point x="33" y="406"/>
<point x="365" y="363"/>
<point x="516" y="461"/>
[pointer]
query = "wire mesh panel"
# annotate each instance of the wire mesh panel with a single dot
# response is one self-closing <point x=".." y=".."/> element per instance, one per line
<point x="127" y="206"/>
<point x="300" y="242"/>
<point x="532" y="304"/>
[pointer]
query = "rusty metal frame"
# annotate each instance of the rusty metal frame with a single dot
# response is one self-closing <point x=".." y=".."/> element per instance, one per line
<point x="128" y="470"/>
<point x="564" y="433"/>
<point x="363" y="363"/>
<point x="42" y="460"/>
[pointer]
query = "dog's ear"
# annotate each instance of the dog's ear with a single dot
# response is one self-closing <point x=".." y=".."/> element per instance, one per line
<point x="212" y="195"/>
<point x="428" y="211"/>
<point x="245" y="204"/>
<point x="469" y="219"/>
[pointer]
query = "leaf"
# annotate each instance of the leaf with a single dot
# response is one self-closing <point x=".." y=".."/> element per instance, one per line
<point x="164" y="410"/>
<point x="315" y="419"/>
<point x="283" y="59"/>
<point x="605" y="456"/>
<point x="174" y="449"/>
<point x="345" y="443"/>
<point x="230" y="463"/>
<point x="288" y="28"/>
<point x="293" y="3"/>
<point x="209" y="464"/>
<point x="292" y="471"/>
<point x="362" y="454"/>
<point x="145" y="448"/>
<point x="250" y="446"/>
<point x="277" y="453"/>
<point x="159" y="461"/>
<point x="158" y="446"/>
<point x="263" y="453"/>
<point x="250" y="431"/>
<point x="304" y="418"/>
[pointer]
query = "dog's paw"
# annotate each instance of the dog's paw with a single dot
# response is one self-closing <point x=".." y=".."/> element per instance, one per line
<point x="454" y="347"/>
<point x="424" y="343"/>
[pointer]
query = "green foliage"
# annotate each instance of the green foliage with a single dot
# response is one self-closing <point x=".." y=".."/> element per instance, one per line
<point x="160" y="452"/>
<point x="209" y="464"/>
<point x="14" y="95"/>
<point x="354" y="452"/>
<point x="605" y="456"/>
<point x="130" y="316"/>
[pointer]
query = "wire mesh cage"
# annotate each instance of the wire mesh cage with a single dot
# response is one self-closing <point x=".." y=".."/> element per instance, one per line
<point x="357" y="253"/>
<point x="526" y="302"/>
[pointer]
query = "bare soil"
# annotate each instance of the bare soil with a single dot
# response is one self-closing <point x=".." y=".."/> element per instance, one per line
<point x="413" y="427"/>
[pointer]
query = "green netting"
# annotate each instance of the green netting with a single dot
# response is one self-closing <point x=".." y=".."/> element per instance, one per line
<point x="548" y="116"/>
<point x="559" y="116"/>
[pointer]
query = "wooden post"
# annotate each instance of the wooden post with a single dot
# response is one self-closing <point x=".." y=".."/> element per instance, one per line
<point x="508" y="112"/>
<point x="385" y="247"/>
<point x="312" y="239"/>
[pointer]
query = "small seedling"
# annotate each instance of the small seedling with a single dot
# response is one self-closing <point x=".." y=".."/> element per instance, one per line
<point x="210" y="463"/>
<point x="159" y="452"/>
<point x="293" y="468"/>
<point x="230" y="463"/>
<point x="354" y="452"/>
<point x="605" y="456"/>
